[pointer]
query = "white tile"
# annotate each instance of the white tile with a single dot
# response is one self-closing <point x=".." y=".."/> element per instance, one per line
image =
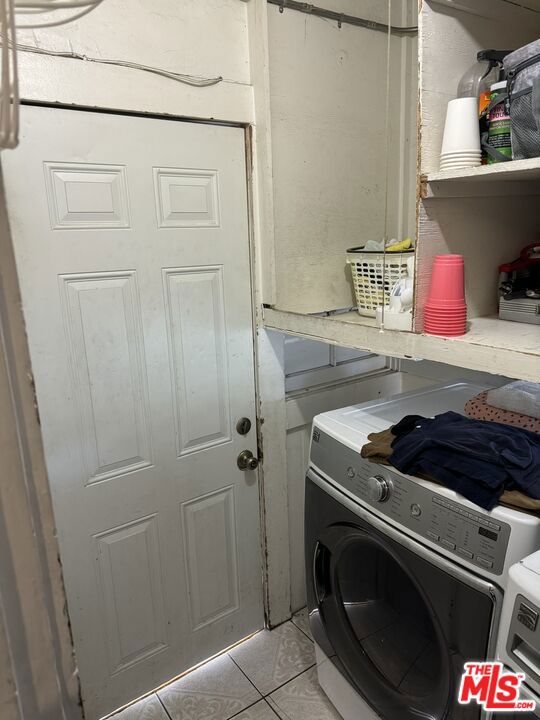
<point x="148" y="709"/>
<point x="260" y="711"/>
<point x="271" y="659"/>
<point x="303" y="699"/>
<point x="215" y="691"/>
<point x="301" y="620"/>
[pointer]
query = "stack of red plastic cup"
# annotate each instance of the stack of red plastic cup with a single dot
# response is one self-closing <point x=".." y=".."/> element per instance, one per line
<point x="446" y="312"/>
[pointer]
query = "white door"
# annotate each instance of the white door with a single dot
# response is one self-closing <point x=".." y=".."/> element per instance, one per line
<point x="131" y="240"/>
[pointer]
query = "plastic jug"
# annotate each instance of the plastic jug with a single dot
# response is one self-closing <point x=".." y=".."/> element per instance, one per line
<point x="479" y="78"/>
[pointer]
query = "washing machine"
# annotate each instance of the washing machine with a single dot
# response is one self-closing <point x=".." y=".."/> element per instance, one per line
<point x="405" y="578"/>
<point x="518" y="645"/>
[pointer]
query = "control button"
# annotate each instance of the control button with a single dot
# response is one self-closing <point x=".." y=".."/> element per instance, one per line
<point x="351" y="472"/>
<point x="465" y="553"/>
<point x="379" y="489"/>
<point x="432" y="535"/>
<point x="416" y="510"/>
<point x="448" y="544"/>
<point x="484" y="562"/>
<point x="527" y="616"/>
<point x="462" y="512"/>
<point x="473" y="517"/>
<point x="494" y="526"/>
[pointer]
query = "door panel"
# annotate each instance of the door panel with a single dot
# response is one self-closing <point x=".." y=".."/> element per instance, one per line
<point x="86" y="196"/>
<point x="198" y="342"/>
<point x="104" y="338"/>
<point x="130" y="584"/>
<point x="131" y="242"/>
<point x="211" y="557"/>
<point x="186" y="198"/>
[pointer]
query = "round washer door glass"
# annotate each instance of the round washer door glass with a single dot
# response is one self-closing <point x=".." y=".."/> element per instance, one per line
<point x="399" y="626"/>
<point x="390" y="619"/>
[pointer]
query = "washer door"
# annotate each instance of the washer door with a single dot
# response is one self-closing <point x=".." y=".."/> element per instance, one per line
<point x="397" y="625"/>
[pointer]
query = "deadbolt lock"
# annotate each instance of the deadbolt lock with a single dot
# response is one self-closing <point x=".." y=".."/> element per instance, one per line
<point x="247" y="461"/>
<point x="243" y="426"/>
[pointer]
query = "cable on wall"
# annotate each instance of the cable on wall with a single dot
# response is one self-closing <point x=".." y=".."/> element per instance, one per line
<point x="39" y="14"/>
<point x="42" y="9"/>
<point x="341" y="18"/>
<point x="178" y="77"/>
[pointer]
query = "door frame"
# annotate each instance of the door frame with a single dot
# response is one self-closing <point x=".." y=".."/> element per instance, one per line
<point x="38" y="674"/>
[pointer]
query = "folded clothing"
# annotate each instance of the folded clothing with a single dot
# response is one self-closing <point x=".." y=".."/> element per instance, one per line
<point x="520" y="397"/>
<point x="479" y="409"/>
<point x="379" y="449"/>
<point x="478" y="459"/>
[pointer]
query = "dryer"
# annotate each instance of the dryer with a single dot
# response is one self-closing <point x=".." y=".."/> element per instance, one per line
<point x="405" y="579"/>
<point x="519" y="634"/>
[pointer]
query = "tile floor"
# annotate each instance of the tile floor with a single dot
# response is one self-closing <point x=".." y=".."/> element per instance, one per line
<point x="272" y="675"/>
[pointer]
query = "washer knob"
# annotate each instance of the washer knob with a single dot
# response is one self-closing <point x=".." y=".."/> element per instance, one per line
<point x="379" y="488"/>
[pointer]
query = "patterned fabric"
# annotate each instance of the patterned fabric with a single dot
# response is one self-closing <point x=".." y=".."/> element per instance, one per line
<point x="479" y="409"/>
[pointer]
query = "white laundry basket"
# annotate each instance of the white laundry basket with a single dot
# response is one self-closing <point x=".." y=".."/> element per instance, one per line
<point x="374" y="274"/>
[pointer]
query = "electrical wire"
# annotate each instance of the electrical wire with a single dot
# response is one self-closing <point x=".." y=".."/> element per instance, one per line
<point x="178" y="77"/>
<point x="51" y="5"/>
<point x="9" y="82"/>
<point x="87" y="8"/>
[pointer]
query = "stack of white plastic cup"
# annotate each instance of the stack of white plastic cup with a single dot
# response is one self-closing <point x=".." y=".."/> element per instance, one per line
<point x="461" y="141"/>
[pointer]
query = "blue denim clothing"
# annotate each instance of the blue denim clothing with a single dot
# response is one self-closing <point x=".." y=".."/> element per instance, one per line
<point x="478" y="459"/>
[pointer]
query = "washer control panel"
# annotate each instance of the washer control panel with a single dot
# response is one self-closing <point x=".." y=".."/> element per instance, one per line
<point x="469" y="534"/>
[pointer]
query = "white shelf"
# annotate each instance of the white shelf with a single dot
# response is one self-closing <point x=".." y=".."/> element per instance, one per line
<point x="491" y="345"/>
<point x="516" y="170"/>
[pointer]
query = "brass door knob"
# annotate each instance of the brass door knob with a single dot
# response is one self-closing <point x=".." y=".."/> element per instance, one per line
<point x="247" y="461"/>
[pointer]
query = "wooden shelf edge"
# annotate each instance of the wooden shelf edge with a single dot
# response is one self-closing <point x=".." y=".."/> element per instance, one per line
<point x="469" y="351"/>
<point x="515" y="171"/>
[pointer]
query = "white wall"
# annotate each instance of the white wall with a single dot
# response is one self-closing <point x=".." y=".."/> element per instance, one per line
<point x="328" y="96"/>
<point x="205" y="39"/>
